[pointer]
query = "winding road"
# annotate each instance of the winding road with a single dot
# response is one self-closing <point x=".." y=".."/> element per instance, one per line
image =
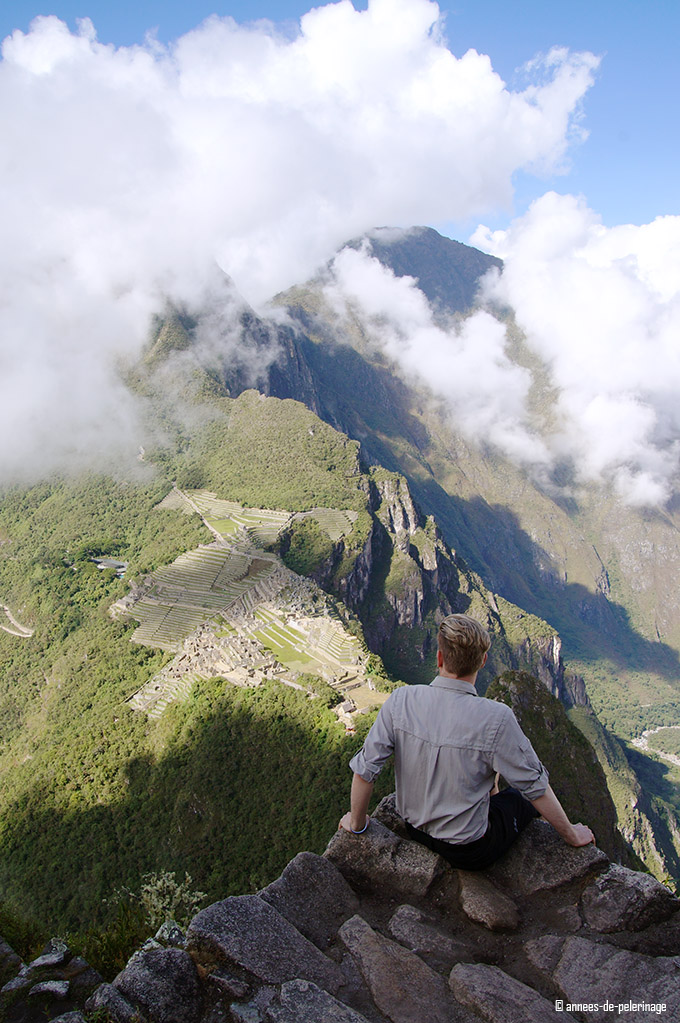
<point x="15" y="627"/>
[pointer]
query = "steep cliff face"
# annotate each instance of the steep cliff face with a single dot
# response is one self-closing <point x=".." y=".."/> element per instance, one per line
<point x="398" y="574"/>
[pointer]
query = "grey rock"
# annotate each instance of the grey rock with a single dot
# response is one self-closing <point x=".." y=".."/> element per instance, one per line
<point x="411" y="928"/>
<point x="228" y="985"/>
<point x="36" y="970"/>
<point x="83" y="977"/>
<point x="56" y="945"/>
<point x="70" y="1017"/>
<point x="569" y="918"/>
<point x="588" y="972"/>
<point x="313" y="895"/>
<point x="542" y="861"/>
<point x="49" y="989"/>
<point x="484" y="904"/>
<point x="149" y="944"/>
<point x="500" y="998"/>
<point x="402" y="986"/>
<point x="380" y="860"/>
<point x="10" y="962"/>
<point x="17" y="983"/>
<point x="304" y="1002"/>
<point x="246" y="930"/>
<point x="623" y="899"/>
<point x="249" y="1013"/>
<point x="386" y="813"/>
<point x="48" y="961"/>
<point x="164" y="984"/>
<point x="171" y="934"/>
<point x="108" y="998"/>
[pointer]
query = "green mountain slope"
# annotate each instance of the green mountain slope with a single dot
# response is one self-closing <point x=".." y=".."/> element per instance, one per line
<point x="95" y="793"/>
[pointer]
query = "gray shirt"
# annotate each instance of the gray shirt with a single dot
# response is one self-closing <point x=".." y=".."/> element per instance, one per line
<point x="448" y="743"/>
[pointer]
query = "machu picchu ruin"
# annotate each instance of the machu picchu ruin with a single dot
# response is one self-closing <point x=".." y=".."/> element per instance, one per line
<point x="232" y="609"/>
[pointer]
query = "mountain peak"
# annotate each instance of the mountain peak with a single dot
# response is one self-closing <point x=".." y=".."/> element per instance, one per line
<point x="448" y="271"/>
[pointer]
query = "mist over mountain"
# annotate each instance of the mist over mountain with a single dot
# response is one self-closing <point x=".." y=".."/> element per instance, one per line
<point x="136" y="172"/>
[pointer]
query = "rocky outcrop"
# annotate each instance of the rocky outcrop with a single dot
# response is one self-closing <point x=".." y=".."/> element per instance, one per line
<point x="381" y="930"/>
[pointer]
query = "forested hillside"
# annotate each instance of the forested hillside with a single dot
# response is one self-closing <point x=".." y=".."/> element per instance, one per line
<point x="343" y="516"/>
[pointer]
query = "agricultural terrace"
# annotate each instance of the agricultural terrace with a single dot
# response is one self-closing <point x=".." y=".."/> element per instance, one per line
<point x="193" y="589"/>
<point x="319" y="645"/>
<point x="262" y="525"/>
<point x="235" y="583"/>
<point x="333" y="522"/>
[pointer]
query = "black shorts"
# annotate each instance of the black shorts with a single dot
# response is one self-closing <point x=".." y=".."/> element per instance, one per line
<point x="509" y="814"/>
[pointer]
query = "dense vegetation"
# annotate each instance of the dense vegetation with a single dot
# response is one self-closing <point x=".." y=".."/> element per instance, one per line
<point x="267" y="453"/>
<point x="226" y="787"/>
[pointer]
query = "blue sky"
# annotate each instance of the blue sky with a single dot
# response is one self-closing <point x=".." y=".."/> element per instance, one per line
<point x="627" y="169"/>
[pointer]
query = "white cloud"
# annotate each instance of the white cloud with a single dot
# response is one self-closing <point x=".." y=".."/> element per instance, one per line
<point x="467" y="365"/>
<point x="601" y="307"/>
<point x="126" y="174"/>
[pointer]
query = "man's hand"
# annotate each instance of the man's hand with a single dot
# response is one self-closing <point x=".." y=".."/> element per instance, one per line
<point x="550" y="808"/>
<point x="581" y="835"/>
<point x="346" y="823"/>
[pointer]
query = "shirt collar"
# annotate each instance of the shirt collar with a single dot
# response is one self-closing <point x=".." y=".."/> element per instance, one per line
<point x="456" y="685"/>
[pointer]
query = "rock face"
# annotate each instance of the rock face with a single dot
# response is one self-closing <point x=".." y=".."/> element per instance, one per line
<point x="586" y="972"/>
<point x="625" y="900"/>
<point x="381" y="930"/>
<point x="313" y="895"/>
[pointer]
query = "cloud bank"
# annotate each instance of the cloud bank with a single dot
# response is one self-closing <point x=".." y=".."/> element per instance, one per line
<point x="467" y="365"/>
<point x="601" y="308"/>
<point x="599" y="312"/>
<point x="128" y="173"/>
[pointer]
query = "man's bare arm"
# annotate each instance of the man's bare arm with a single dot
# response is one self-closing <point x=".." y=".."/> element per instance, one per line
<point x="357" y="818"/>
<point x="549" y="807"/>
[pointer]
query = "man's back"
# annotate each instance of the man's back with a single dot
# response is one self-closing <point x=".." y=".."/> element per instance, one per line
<point x="448" y="744"/>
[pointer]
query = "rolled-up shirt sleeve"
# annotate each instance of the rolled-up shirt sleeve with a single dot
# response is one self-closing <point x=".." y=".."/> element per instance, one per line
<point x="515" y="759"/>
<point x="377" y="748"/>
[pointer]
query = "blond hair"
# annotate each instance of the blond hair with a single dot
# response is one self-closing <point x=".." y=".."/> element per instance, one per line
<point x="463" y="643"/>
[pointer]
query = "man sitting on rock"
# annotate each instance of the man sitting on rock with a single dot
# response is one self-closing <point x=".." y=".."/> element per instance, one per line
<point x="449" y="746"/>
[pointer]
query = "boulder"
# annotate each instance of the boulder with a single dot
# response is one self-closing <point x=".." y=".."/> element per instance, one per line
<point x="402" y="986"/>
<point x="484" y="904"/>
<point x="591" y="973"/>
<point x="227" y="984"/>
<point x="313" y="895"/>
<point x="499" y="998"/>
<point x="10" y="962"/>
<point x="304" y="1002"/>
<point x="164" y="984"/>
<point x="58" y="989"/>
<point x="170" y="933"/>
<point x="70" y="1017"/>
<point x="111" y="1001"/>
<point x="541" y="861"/>
<point x="246" y="930"/>
<point x="386" y="813"/>
<point x="623" y="899"/>
<point x="412" y="929"/>
<point x="83" y="978"/>
<point x="380" y="860"/>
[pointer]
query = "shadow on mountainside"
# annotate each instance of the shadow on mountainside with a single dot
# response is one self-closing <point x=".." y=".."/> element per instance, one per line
<point x="494" y="544"/>
<point x="246" y="779"/>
